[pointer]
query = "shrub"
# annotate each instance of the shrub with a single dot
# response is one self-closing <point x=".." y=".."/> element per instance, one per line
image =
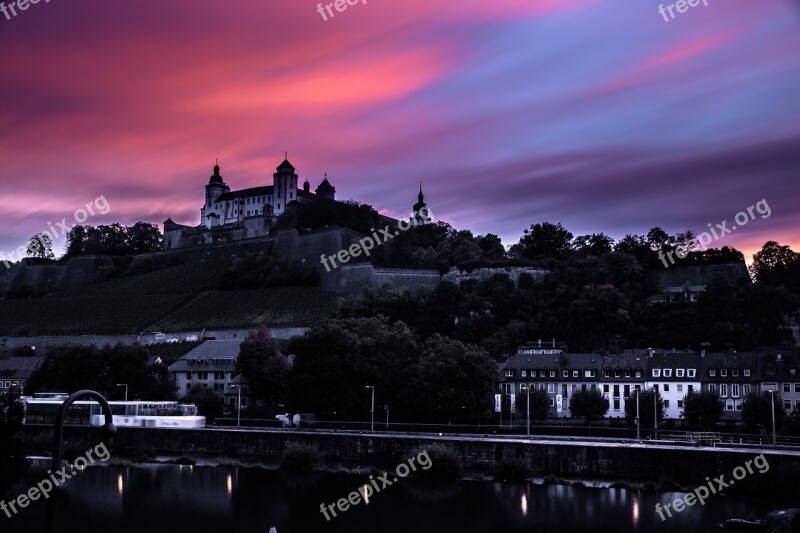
<point x="301" y="458"/>
<point x="445" y="461"/>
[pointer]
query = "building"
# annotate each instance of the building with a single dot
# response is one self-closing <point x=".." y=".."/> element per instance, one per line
<point x="674" y="375"/>
<point x="16" y="371"/>
<point x="213" y="364"/>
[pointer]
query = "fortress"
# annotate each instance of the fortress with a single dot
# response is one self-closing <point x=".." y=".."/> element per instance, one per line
<point x="228" y="216"/>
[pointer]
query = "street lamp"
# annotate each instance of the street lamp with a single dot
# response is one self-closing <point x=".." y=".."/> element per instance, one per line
<point x="655" y="414"/>
<point x="238" y="404"/>
<point x="638" y="420"/>
<point x="772" y="403"/>
<point x="372" y="408"/>
<point x="528" y="389"/>
<point x="387" y="415"/>
<point x="126" y="389"/>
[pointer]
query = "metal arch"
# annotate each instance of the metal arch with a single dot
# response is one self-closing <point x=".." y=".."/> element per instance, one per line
<point x="58" y="433"/>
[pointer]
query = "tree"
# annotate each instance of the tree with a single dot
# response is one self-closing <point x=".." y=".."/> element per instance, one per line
<point x="491" y="247"/>
<point x="41" y="246"/>
<point x="143" y="238"/>
<point x="703" y="408"/>
<point x="757" y="411"/>
<point x="588" y="404"/>
<point x="772" y="264"/>
<point x="208" y="401"/>
<point x="594" y="244"/>
<point x="543" y="240"/>
<point x="452" y="382"/>
<point x="645" y="408"/>
<point x="263" y="366"/>
<point x="540" y="404"/>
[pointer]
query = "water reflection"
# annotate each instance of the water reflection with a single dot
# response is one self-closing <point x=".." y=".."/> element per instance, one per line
<point x="168" y="498"/>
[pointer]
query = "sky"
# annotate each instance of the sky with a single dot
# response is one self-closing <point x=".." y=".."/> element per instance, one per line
<point x="599" y="114"/>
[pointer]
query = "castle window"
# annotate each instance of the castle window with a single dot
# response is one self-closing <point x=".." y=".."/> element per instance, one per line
<point x="291" y="195"/>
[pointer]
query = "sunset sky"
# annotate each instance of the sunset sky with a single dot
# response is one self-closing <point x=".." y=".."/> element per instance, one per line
<point x="594" y="113"/>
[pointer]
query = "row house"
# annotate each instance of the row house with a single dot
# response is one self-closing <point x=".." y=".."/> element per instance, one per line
<point x="673" y="374"/>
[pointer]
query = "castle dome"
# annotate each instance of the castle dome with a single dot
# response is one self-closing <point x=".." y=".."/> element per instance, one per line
<point x="216" y="178"/>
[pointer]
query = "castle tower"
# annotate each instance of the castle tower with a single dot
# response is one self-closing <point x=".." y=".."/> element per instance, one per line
<point x="285" y="186"/>
<point x="215" y="187"/>
<point x="326" y="191"/>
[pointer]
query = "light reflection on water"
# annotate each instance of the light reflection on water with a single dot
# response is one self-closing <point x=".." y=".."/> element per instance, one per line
<point x="169" y="498"/>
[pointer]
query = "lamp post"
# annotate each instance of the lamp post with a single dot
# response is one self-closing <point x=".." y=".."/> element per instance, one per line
<point x="372" y="408"/>
<point x="772" y="403"/>
<point x="238" y="404"/>
<point x="638" y="420"/>
<point x="528" y="389"/>
<point x="655" y="414"/>
<point x="126" y="389"/>
<point x="387" y="416"/>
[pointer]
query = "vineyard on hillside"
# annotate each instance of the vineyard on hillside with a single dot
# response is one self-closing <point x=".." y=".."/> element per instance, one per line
<point x="172" y="299"/>
<point x="283" y="306"/>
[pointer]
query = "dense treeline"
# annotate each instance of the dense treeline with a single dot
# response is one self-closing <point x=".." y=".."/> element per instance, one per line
<point x="70" y="368"/>
<point x="113" y="239"/>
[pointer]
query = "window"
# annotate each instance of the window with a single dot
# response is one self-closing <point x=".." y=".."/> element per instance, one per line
<point x="729" y="405"/>
<point x="735" y="372"/>
<point x="656" y="372"/>
<point x="523" y="373"/>
<point x="723" y="390"/>
<point x="797" y="387"/>
<point x="552" y="373"/>
<point x="638" y="373"/>
<point x="712" y="372"/>
<point x="508" y="388"/>
<point x="509" y="373"/>
<point x="627" y="373"/>
<point x="551" y="388"/>
<point x="202" y="375"/>
<point x="552" y="402"/>
<point x="616" y="405"/>
<point x="616" y="391"/>
<point x="605" y="389"/>
<point x="679" y="372"/>
<point x="680" y="387"/>
<point x="666" y="387"/>
<point x="666" y="404"/>
<point x="617" y="373"/>
<point x="606" y="373"/>
<point x="576" y="373"/>
<point x="691" y="388"/>
<point x="735" y="390"/>
<point x="787" y="404"/>
<point x="792" y="371"/>
<point x="747" y="372"/>
<point x="723" y="372"/>
<point x="590" y="373"/>
<point x="680" y="404"/>
<point x="712" y="387"/>
<point x="787" y="387"/>
<point x="769" y="372"/>
<point x="565" y="373"/>
<point x="667" y="372"/>
<point x="626" y="391"/>
<point x="746" y="389"/>
<point x="692" y="372"/>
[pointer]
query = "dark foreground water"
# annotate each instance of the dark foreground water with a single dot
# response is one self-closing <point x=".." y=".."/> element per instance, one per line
<point x="167" y="498"/>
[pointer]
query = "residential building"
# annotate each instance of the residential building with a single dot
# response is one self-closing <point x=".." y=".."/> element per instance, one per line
<point x="213" y="364"/>
<point x="16" y="371"/>
<point x="674" y="375"/>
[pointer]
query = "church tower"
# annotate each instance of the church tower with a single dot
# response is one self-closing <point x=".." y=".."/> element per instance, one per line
<point x="285" y="186"/>
<point x="421" y="213"/>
